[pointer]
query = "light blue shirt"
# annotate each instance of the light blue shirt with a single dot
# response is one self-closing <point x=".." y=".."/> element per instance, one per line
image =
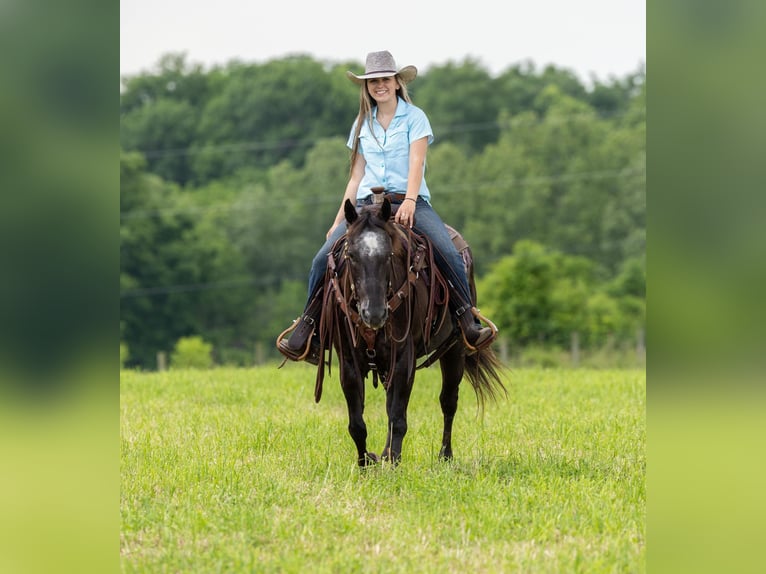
<point x="387" y="152"/>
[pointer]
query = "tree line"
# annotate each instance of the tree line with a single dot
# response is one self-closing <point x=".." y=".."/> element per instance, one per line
<point x="231" y="176"/>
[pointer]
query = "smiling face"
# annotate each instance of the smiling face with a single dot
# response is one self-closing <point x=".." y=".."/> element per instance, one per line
<point x="382" y="90"/>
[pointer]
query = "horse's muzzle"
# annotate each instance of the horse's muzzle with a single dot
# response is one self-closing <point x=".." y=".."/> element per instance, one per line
<point x="374" y="318"/>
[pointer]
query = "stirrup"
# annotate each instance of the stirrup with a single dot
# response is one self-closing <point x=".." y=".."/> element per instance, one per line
<point x="286" y="351"/>
<point x="471" y="348"/>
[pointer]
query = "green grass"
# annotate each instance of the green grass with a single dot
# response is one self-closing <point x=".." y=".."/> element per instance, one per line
<point x="240" y="471"/>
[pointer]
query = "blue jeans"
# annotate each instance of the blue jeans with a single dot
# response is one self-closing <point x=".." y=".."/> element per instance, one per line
<point x="428" y="223"/>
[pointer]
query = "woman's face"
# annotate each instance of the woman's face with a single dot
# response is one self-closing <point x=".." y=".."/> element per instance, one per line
<point x="382" y="90"/>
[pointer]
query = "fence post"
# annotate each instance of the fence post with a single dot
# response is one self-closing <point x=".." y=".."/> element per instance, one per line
<point x="575" y="348"/>
<point x="503" y="342"/>
<point x="162" y="361"/>
<point x="640" y="345"/>
<point x="260" y="353"/>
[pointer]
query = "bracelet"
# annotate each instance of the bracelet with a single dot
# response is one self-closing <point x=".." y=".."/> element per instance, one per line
<point x="406" y="198"/>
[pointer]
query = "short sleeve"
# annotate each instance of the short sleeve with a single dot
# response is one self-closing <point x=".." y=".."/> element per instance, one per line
<point x="350" y="142"/>
<point x="419" y="126"/>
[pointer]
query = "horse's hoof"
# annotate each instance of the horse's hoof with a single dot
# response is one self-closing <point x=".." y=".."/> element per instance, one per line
<point x="371" y="458"/>
<point x="391" y="458"/>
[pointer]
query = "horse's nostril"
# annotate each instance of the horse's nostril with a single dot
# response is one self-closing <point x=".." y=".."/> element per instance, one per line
<point x="377" y="320"/>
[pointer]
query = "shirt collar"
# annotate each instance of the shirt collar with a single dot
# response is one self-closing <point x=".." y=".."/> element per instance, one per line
<point x="401" y="108"/>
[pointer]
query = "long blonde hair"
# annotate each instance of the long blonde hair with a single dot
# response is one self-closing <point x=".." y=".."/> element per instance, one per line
<point x="366" y="103"/>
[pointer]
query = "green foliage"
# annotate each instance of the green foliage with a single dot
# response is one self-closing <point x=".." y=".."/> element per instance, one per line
<point x="159" y="131"/>
<point x="231" y="177"/>
<point x="517" y="293"/>
<point x="191" y="353"/>
<point x="610" y="356"/>
<point x="465" y="114"/>
<point x="541" y="296"/>
<point x="231" y="357"/>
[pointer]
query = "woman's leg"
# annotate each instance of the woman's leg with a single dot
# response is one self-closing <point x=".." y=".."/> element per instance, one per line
<point x="428" y="223"/>
<point x="450" y="262"/>
<point x="302" y="345"/>
<point x="319" y="264"/>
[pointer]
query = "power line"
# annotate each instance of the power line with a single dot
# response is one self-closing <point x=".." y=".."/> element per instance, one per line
<point x="443" y="190"/>
<point x="453" y="129"/>
<point x="219" y="148"/>
<point x="189" y="287"/>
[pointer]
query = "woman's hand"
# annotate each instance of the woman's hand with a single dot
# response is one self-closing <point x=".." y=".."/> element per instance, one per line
<point x="405" y="215"/>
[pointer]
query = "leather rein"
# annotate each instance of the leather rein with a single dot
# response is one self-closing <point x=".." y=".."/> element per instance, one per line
<point x="415" y="264"/>
<point x="419" y="259"/>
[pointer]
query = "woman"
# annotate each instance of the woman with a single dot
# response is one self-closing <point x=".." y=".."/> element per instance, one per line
<point x="389" y="141"/>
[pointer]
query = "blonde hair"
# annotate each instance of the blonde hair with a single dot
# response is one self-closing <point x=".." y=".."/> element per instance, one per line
<point x="366" y="103"/>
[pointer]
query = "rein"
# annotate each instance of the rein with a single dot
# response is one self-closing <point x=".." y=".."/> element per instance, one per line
<point x="415" y="264"/>
<point x="339" y="306"/>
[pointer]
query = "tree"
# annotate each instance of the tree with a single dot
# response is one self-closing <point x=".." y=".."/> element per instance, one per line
<point x="192" y="353"/>
<point x="517" y="293"/>
<point x="520" y="86"/>
<point x="464" y="114"/>
<point x="163" y="132"/>
<point x="539" y="295"/>
<point x="241" y="170"/>
<point x="172" y="79"/>
<point x="265" y="114"/>
<point x="174" y="247"/>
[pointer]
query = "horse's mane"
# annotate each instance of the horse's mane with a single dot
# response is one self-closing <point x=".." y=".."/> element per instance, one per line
<point x="369" y="217"/>
<point x="400" y="239"/>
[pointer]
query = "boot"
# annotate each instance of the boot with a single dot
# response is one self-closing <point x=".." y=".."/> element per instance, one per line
<point x="303" y="344"/>
<point x="475" y="336"/>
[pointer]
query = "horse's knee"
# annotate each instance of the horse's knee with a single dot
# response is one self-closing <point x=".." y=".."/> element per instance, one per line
<point x="357" y="430"/>
<point x="399" y="427"/>
<point x="448" y="405"/>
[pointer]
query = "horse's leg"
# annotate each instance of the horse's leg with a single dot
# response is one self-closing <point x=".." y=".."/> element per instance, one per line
<point x="353" y="390"/>
<point x="452" y="365"/>
<point x="397" y="399"/>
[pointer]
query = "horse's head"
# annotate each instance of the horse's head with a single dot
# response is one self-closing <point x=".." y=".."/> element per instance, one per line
<point x="368" y="255"/>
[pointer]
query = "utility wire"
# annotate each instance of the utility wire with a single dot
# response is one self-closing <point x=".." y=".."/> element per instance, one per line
<point x="262" y="145"/>
<point x="185" y="288"/>
<point x="271" y="202"/>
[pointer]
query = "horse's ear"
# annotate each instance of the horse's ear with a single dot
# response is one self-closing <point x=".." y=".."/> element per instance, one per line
<point x="385" y="210"/>
<point x="350" y="211"/>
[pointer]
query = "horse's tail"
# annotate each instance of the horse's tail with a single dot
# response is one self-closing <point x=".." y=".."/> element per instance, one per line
<point x="483" y="370"/>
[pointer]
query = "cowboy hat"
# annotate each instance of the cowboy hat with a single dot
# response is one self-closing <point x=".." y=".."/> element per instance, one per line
<point x="382" y="65"/>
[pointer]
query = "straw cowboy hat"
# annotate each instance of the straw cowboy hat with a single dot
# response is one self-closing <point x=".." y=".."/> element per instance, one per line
<point x="382" y="65"/>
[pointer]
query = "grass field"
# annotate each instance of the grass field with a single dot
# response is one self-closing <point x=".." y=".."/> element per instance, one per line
<point x="238" y="470"/>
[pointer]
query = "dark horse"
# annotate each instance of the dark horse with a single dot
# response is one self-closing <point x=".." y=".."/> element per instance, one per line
<point x="385" y="307"/>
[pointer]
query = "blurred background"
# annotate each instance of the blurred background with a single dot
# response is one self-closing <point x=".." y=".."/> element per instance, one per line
<point x="234" y="161"/>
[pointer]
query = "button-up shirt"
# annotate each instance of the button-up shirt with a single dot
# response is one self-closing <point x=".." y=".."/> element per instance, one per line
<point x="387" y="152"/>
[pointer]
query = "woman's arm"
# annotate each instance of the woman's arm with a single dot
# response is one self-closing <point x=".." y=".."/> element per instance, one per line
<point x="357" y="172"/>
<point x="406" y="213"/>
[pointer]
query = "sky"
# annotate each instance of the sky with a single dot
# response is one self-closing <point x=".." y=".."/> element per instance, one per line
<point x="593" y="38"/>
